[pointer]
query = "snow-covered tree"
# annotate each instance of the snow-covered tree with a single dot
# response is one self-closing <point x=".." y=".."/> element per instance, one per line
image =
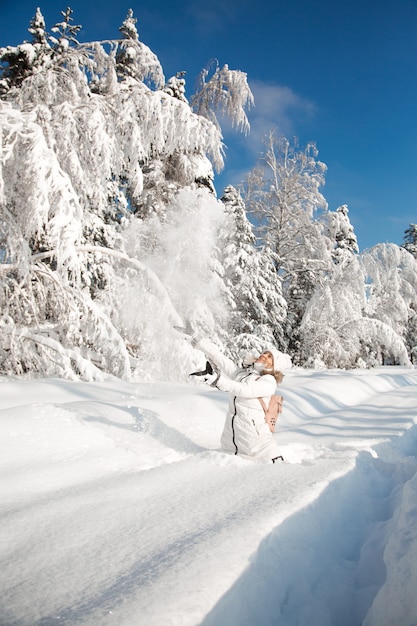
<point x="282" y="193"/>
<point x="341" y="232"/>
<point x="80" y="174"/>
<point x="364" y="312"/>
<point x="411" y="333"/>
<point x="134" y="60"/>
<point x="19" y="62"/>
<point x="410" y="240"/>
<point x="331" y="328"/>
<point x="224" y="92"/>
<point x="175" y="86"/>
<point x="331" y="331"/>
<point x="37" y="29"/>
<point x="253" y="287"/>
<point x="66" y="33"/>
<point x="391" y="280"/>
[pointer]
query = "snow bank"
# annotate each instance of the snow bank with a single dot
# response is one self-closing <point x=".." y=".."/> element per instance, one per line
<point x="117" y="507"/>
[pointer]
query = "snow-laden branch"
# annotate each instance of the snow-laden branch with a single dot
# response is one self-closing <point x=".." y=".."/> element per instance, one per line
<point x="227" y="92"/>
<point x="385" y="334"/>
<point x="85" y="321"/>
<point x="153" y="278"/>
<point x="87" y="369"/>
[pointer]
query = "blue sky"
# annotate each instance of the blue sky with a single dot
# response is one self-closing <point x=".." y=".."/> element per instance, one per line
<point x="341" y="74"/>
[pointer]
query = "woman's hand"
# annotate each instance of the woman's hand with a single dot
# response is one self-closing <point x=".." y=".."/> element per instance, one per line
<point x="210" y="375"/>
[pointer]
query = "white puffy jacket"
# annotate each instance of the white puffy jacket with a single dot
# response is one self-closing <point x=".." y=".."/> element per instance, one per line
<point x="245" y="430"/>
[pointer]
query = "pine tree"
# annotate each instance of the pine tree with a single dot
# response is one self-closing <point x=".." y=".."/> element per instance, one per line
<point x="175" y="86"/>
<point x="252" y="284"/>
<point x="410" y="240"/>
<point x="67" y="33"/>
<point x="134" y="60"/>
<point x="37" y="29"/>
<point x="19" y="62"/>
<point x="340" y="230"/>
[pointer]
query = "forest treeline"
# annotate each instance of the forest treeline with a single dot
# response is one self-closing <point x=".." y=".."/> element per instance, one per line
<point x="112" y="236"/>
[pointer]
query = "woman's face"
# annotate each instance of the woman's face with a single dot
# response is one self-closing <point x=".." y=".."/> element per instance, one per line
<point x="267" y="360"/>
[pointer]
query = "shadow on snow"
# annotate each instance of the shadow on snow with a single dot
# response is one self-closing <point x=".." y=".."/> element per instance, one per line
<point x="325" y="564"/>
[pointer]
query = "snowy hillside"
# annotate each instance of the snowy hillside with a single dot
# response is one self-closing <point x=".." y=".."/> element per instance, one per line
<point x="118" y="508"/>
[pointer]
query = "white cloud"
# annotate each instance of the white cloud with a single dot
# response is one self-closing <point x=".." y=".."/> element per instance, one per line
<point x="276" y="107"/>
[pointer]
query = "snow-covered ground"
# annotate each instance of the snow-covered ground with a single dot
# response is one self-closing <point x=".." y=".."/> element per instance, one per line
<point x="117" y="507"/>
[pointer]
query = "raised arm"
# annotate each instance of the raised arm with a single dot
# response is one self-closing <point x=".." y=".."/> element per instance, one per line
<point x="250" y="388"/>
<point x="214" y="355"/>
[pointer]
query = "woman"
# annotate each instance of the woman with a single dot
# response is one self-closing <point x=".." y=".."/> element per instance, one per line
<point x="245" y="430"/>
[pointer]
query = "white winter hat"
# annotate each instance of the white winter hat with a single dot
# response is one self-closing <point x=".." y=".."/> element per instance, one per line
<point x="281" y="361"/>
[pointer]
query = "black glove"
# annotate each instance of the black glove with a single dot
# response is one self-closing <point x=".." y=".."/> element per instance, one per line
<point x="209" y="375"/>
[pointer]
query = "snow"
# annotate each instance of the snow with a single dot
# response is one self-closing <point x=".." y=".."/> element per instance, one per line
<point x="117" y="507"/>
